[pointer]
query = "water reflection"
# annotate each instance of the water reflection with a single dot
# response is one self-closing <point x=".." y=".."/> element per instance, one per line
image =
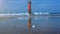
<point x="29" y="23"/>
<point x="28" y="29"/>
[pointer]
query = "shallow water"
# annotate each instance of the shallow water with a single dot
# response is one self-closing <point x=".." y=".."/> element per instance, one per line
<point x="31" y="25"/>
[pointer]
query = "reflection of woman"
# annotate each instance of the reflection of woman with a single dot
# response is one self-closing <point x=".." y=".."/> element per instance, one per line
<point x="29" y="23"/>
<point x="29" y="31"/>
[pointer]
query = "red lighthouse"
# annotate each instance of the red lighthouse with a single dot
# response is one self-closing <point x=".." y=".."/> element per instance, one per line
<point x="29" y="7"/>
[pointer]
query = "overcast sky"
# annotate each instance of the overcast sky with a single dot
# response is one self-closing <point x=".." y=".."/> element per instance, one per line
<point x="18" y="6"/>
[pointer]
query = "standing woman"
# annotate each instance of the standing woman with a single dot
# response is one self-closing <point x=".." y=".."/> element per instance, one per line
<point x="29" y="7"/>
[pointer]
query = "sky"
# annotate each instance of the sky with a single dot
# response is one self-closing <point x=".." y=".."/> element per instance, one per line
<point x="19" y="6"/>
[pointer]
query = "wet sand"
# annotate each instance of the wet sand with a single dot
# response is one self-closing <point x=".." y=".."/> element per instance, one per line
<point x="31" y="25"/>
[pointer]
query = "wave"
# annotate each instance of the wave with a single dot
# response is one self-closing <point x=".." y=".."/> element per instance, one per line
<point x="18" y="14"/>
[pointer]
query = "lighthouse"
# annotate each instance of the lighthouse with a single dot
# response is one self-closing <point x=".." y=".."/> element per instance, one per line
<point x="29" y="7"/>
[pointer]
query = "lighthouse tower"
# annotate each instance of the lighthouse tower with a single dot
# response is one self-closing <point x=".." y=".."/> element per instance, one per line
<point x="29" y="7"/>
